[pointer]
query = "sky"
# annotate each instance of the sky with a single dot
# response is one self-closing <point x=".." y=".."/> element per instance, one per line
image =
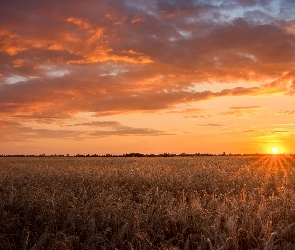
<point x="156" y="76"/>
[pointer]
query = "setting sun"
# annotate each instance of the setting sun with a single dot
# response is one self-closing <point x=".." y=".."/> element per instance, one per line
<point x="275" y="150"/>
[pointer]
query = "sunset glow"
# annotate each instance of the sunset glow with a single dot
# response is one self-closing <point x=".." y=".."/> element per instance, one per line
<point x="157" y="76"/>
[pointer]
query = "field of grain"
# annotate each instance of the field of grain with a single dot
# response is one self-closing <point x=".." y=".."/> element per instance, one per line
<point x="147" y="203"/>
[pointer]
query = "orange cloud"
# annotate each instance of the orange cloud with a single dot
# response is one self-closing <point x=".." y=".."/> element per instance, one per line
<point x="14" y="131"/>
<point x="118" y="57"/>
<point x="10" y="43"/>
<point x="287" y="112"/>
<point x="138" y="20"/>
<point x="243" y="111"/>
<point x="80" y="22"/>
<point x="18" y="63"/>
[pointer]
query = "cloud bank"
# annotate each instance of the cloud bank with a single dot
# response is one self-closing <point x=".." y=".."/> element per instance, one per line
<point x="61" y="58"/>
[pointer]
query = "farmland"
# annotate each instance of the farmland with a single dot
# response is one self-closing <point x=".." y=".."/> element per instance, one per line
<point x="220" y="202"/>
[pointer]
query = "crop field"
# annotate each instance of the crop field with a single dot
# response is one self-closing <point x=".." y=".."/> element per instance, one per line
<point x="218" y="202"/>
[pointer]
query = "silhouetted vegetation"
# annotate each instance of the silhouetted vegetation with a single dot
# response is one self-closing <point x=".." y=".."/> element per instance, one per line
<point x="134" y="155"/>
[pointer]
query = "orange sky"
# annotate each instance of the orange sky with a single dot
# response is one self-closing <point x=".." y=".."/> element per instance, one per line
<point x="147" y="76"/>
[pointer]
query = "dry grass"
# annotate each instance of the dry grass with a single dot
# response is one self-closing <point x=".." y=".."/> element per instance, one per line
<point x="147" y="203"/>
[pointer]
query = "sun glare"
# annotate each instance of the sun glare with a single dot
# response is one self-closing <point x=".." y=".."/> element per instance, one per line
<point x="275" y="150"/>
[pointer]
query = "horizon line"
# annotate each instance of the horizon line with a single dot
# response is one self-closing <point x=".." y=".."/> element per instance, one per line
<point x="143" y="155"/>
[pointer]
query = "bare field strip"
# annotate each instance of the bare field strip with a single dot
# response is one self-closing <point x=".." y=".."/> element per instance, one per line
<point x="147" y="203"/>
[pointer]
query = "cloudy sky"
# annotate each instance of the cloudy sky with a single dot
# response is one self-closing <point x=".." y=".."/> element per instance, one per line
<point x="108" y="76"/>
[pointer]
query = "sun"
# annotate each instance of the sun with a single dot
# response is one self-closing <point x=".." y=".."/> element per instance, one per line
<point x="275" y="150"/>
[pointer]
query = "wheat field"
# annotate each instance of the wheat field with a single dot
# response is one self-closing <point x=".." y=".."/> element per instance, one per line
<point x="216" y="202"/>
